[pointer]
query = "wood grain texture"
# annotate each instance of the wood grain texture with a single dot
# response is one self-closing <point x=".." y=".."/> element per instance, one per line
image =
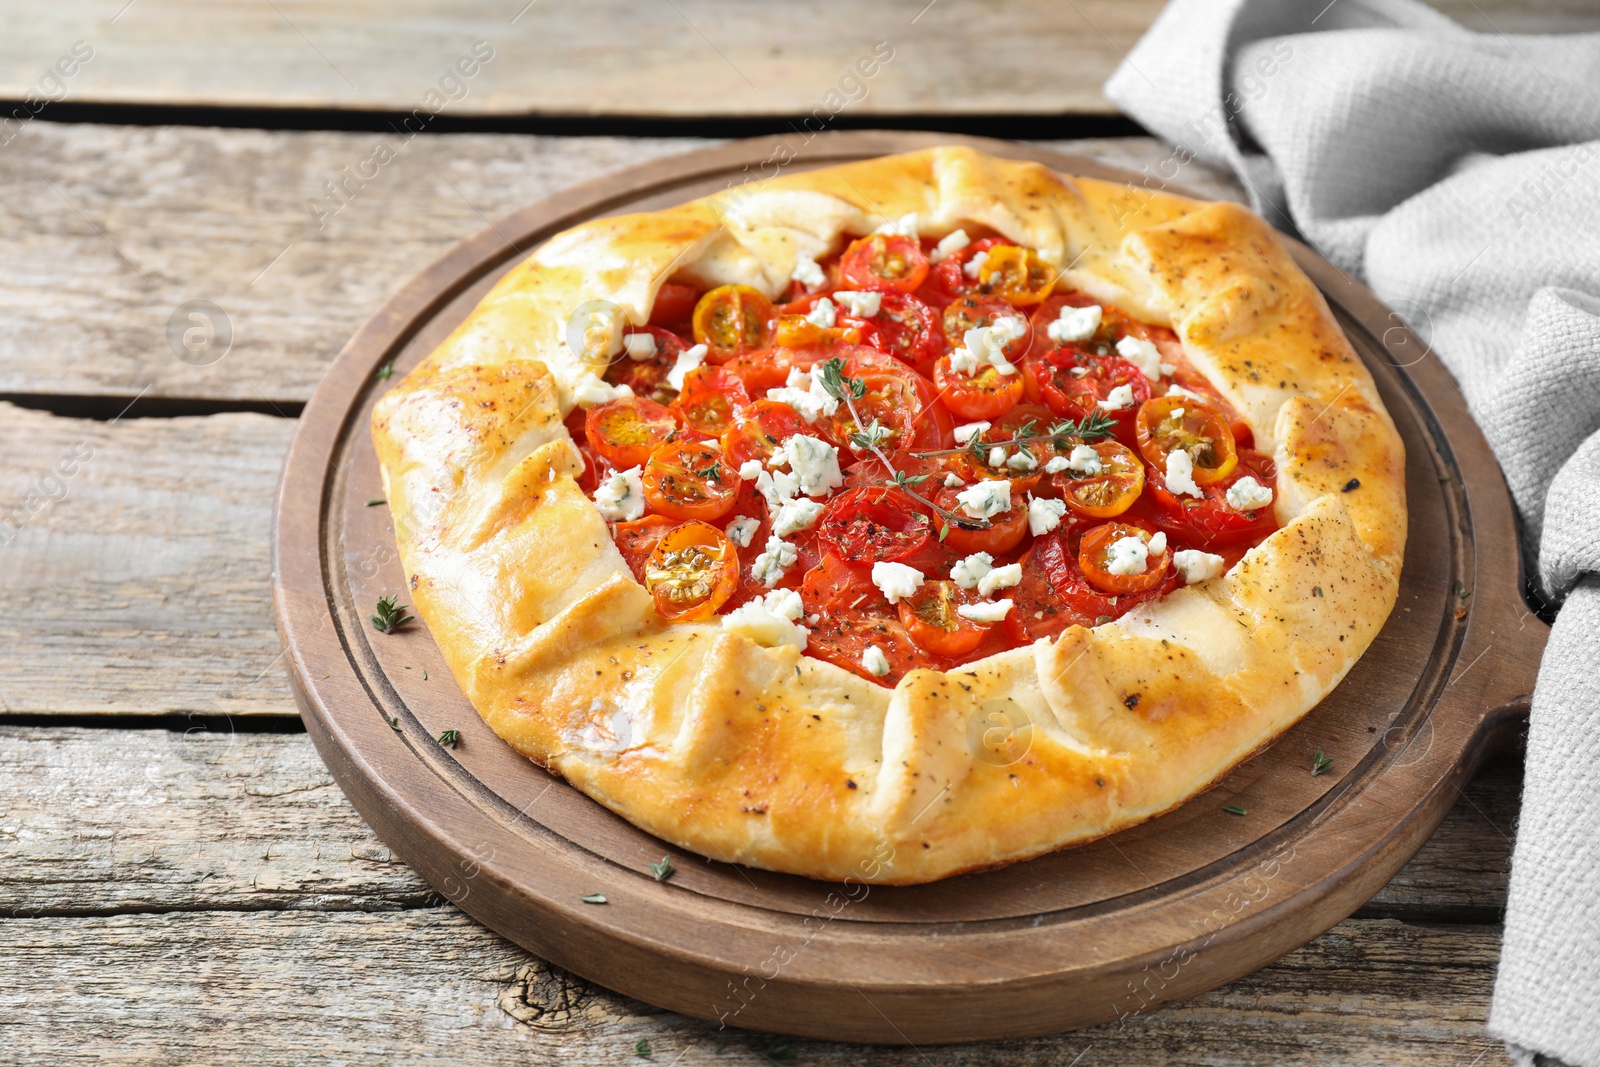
<point x="95" y="260"/>
<point x="134" y="565"/>
<point x="418" y="986"/>
<point x="690" y="59"/>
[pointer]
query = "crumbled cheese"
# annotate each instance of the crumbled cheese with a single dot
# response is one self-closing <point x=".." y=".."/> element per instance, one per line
<point x="620" y="497"/>
<point x="1085" y="460"/>
<point x="1180" y="474"/>
<point x="1022" y="460"/>
<point x="904" y="226"/>
<point x="823" y="314"/>
<point x="949" y="245"/>
<point x="953" y="480"/>
<point x="1127" y="555"/>
<point x="1168" y="368"/>
<point x="742" y="530"/>
<point x="770" y="620"/>
<point x="1141" y="354"/>
<point x="986" y="498"/>
<point x="777" y="487"/>
<point x="875" y="662"/>
<point x="974" y="265"/>
<point x="807" y="272"/>
<point x="639" y="346"/>
<point x="750" y="470"/>
<point x="985" y="346"/>
<point x="1175" y="413"/>
<point x="1196" y="566"/>
<point x="688" y="360"/>
<point x="861" y="305"/>
<point x="997" y="456"/>
<point x="1157" y="544"/>
<point x="1078" y="372"/>
<point x="769" y="567"/>
<point x="1056" y="465"/>
<point x="965" y="431"/>
<point x="1119" y="399"/>
<point x="967" y="573"/>
<point x="1178" y="390"/>
<point x="896" y="580"/>
<point x="1000" y="578"/>
<point x="1247" y="494"/>
<point x="1045" y="514"/>
<point x="989" y="611"/>
<point x="794" y="516"/>
<point x="814" y="463"/>
<point x="1075" y="324"/>
<point x="803" y="401"/>
<point x="590" y="390"/>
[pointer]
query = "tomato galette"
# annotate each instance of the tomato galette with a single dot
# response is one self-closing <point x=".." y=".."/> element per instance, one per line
<point x="901" y="518"/>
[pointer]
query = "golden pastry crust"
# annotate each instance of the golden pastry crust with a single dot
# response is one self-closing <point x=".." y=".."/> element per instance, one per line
<point x="768" y="757"/>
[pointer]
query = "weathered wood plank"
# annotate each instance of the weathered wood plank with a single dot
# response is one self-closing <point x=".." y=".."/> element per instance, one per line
<point x="94" y="261"/>
<point x="134" y="565"/>
<point x="412" y="987"/>
<point x="96" y="821"/>
<point x="689" y="59"/>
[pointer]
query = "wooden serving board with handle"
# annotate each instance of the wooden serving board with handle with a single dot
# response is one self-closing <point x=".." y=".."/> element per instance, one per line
<point x="1262" y="863"/>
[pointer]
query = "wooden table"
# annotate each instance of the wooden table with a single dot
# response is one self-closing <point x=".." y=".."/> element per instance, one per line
<point x="180" y="879"/>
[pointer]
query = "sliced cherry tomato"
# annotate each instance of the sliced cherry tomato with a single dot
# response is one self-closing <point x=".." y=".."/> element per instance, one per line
<point x="873" y="525"/>
<point x="970" y="312"/>
<point x="1104" y="492"/>
<point x="690" y="480"/>
<point x="1210" y="522"/>
<point x="648" y="377"/>
<point x="1016" y="275"/>
<point x="1171" y="424"/>
<point x="1038" y="610"/>
<point x="1050" y="310"/>
<point x="628" y="429"/>
<point x="637" y="539"/>
<point x="731" y="319"/>
<point x="1024" y="420"/>
<point x="932" y="621"/>
<point x="907" y="329"/>
<point x="985" y="395"/>
<point x="901" y="401"/>
<point x="834" y="586"/>
<point x="842" y="638"/>
<point x="758" y="431"/>
<point x="1071" y="383"/>
<point x="674" y="305"/>
<point x="711" y="400"/>
<point x="691" y="572"/>
<point x="964" y="536"/>
<point x="1096" y="558"/>
<point x="949" y="280"/>
<point x="886" y="263"/>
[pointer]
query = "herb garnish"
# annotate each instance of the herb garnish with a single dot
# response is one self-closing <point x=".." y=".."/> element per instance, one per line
<point x="1235" y="810"/>
<point x="375" y="503"/>
<point x="386" y="371"/>
<point x="642" y="1048"/>
<point x="593" y="898"/>
<point x="390" y="616"/>
<point x="1320" y="763"/>
<point x="393" y="721"/>
<point x="664" y="869"/>
<point x="450" y="738"/>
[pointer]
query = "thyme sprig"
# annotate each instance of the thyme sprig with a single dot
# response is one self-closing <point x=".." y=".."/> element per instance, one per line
<point x="1320" y="763"/>
<point x="1091" y="427"/>
<point x="390" y="616"/>
<point x="449" y="739"/>
<point x="663" y="870"/>
<point x="847" y="390"/>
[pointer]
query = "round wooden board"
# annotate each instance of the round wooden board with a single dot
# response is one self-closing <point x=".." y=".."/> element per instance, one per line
<point x="1145" y="917"/>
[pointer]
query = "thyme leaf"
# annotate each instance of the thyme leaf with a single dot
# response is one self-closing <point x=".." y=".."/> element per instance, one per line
<point x="450" y="738"/>
<point x="389" y="615"/>
<point x="1320" y="763"/>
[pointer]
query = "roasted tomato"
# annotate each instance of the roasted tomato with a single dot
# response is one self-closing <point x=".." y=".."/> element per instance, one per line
<point x="966" y="534"/>
<point x="731" y="319"/>
<point x="1108" y="569"/>
<point x="987" y="394"/>
<point x="691" y="571"/>
<point x="843" y="638"/>
<point x="627" y="430"/>
<point x="886" y="263"/>
<point x="1017" y="425"/>
<point x="873" y="525"/>
<point x="834" y="585"/>
<point x="970" y="312"/>
<point x="1038" y="609"/>
<point x="758" y="431"/>
<point x="711" y="400"/>
<point x="1211" y="522"/>
<point x="1016" y="275"/>
<point x="690" y="480"/>
<point x="949" y="279"/>
<point x="637" y="539"/>
<point x="932" y="619"/>
<point x="902" y="402"/>
<point x="1072" y="384"/>
<point x="647" y="377"/>
<point x="907" y="329"/>
<point x="674" y="305"/>
<point x="1100" y="488"/>
<point x="1171" y="424"/>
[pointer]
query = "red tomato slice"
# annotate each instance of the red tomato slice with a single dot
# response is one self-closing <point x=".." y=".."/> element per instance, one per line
<point x="902" y="401"/>
<point x="933" y="622"/>
<point x="872" y="525"/>
<point x="637" y="539"/>
<point x="883" y="263"/>
<point x="907" y="329"/>
<point x="674" y="305"/>
<point x="970" y="312"/>
<point x="1038" y="609"/>
<point x="1050" y="379"/>
<point x="648" y="377"/>
<point x="711" y="400"/>
<point x="626" y="430"/>
<point x="985" y="395"/>
<point x="948" y="280"/>
<point x="1210" y="523"/>
<point x="1095" y="559"/>
<point x="835" y="586"/>
<point x="690" y="480"/>
<point x="842" y="638"/>
<point x="758" y="431"/>
<point x="1004" y="532"/>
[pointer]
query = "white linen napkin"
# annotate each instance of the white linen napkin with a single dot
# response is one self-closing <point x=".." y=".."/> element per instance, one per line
<point x="1458" y="175"/>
